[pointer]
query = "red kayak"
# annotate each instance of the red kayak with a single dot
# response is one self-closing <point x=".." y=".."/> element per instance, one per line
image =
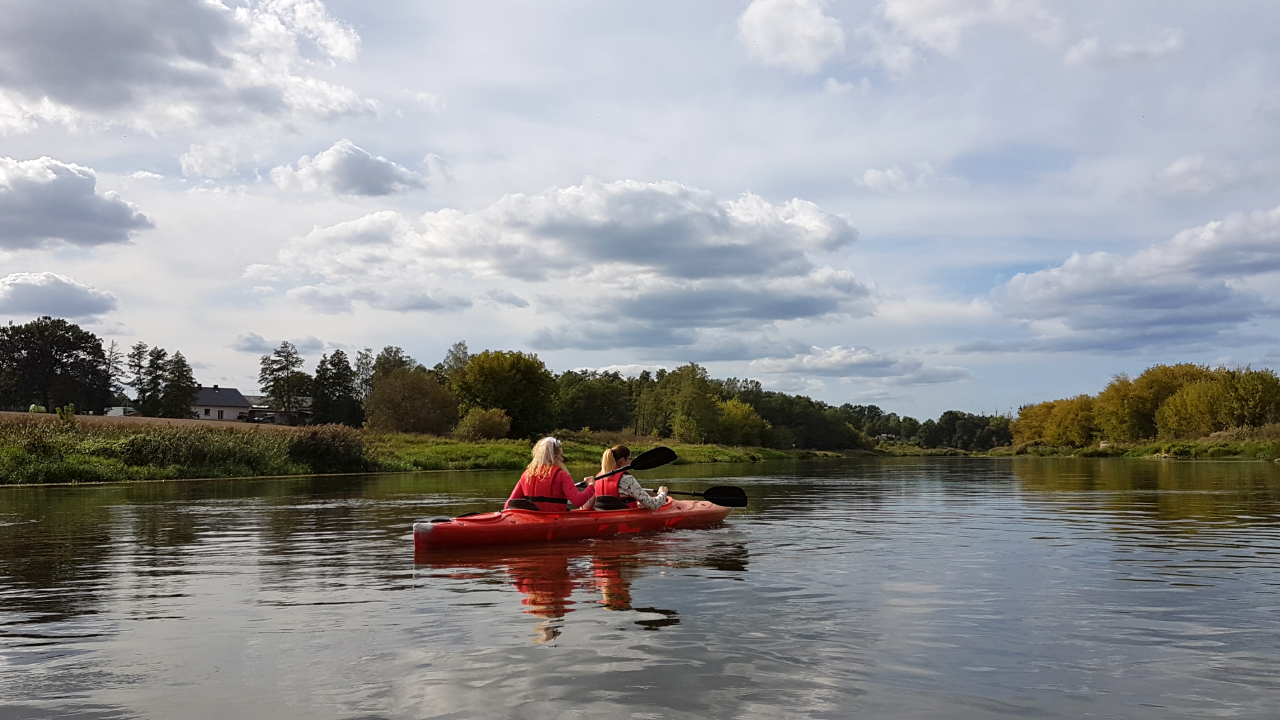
<point x="526" y="526"/>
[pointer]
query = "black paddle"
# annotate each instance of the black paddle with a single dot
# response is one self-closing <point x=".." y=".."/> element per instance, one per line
<point x="647" y="460"/>
<point x="722" y="495"/>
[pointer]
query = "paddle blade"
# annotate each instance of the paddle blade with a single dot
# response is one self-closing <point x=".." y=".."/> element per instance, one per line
<point x="726" y="496"/>
<point x="653" y="458"/>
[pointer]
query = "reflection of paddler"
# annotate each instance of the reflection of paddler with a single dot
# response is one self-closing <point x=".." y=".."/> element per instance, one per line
<point x="547" y="585"/>
<point x="613" y="575"/>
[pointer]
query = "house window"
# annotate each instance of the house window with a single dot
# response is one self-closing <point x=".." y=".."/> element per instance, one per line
<point x="206" y="412"/>
<point x="219" y="414"/>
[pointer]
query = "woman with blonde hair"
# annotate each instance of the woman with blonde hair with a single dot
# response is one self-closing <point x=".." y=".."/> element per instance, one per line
<point x="624" y="488"/>
<point x="546" y="485"/>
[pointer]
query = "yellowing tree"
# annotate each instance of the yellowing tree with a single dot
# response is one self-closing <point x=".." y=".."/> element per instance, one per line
<point x="1031" y="423"/>
<point x="1071" y="422"/>
<point x="1194" y="411"/>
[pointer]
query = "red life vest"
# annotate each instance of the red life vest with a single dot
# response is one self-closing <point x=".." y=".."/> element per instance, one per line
<point x="543" y="490"/>
<point x="609" y="486"/>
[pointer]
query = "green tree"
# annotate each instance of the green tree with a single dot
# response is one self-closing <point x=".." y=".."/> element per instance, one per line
<point x="650" y="415"/>
<point x="801" y="421"/>
<point x="54" y="362"/>
<point x="153" y="379"/>
<point x="740" y="424"/>
<point x="334" y="392"/>
<point x="180" y="389"/>
<point x="515" y="382"/>
<point x="588" y="398"/>
<point x="691" y="400"/>
<point x="283" y="382"/>
<point x="410" y="400"/>
<point x="392" y="358"/>
<point x="455" y="361"/>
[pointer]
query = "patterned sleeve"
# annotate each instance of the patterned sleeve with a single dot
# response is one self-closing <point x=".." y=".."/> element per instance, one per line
<point x="628" y="486"/>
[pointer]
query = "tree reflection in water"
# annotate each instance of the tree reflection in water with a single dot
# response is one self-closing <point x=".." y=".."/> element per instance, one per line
<point x="548" y="575"/>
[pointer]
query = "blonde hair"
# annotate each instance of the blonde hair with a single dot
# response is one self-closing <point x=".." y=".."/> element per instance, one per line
<point x="609" y="461"/>
<point x="544" y="456"/>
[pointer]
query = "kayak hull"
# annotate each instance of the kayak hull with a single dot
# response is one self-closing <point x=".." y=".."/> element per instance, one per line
<point x="515" y="526"/>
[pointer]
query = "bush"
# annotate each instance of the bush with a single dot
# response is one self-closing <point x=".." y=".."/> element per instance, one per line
<point x="480" y="424"/>
<point x="329" y="448"/>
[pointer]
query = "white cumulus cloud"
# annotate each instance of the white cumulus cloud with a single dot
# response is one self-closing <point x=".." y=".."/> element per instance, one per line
<point x="346" y="169"/>
<point x="46" y="293"/>
<point x="794" y="34"/>
<point x="158" y="63"/>
<point x="1196" y="287"/>
<point x="661" y="255"/>
<point x="45" y="201"/>
<point x="895" y="179"/>
<point x="859" y="362"/>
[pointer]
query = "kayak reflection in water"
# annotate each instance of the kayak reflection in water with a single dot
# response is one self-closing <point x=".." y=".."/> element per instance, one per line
<point x="546" y="485"/>
<point x="622" y="490"/>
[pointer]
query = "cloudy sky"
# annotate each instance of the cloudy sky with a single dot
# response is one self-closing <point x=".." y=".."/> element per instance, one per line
<point x="925" y="204"/>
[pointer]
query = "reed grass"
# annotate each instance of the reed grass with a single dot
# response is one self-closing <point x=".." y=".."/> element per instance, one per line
<point x="37" y="450"/>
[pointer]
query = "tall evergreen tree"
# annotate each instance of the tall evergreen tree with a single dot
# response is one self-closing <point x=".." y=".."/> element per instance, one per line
<point x="281" y="379"/>
<point x="334" y="393"/>
<point x="179" y="391"/>
<point x="150" y="387"/>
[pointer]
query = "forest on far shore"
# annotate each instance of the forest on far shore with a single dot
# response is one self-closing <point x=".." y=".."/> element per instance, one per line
<point x="1166" y="402"/>
<point x="52" y="363"/>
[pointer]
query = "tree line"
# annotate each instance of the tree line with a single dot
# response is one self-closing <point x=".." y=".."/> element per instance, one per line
<point x="1179" y="401"/>
<point x="505" y="393"/>
<point x="491" y="394"/>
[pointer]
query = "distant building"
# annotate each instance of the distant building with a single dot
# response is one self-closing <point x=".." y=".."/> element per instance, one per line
<point x="215" y="403"/>
<point x="266" y="411"/>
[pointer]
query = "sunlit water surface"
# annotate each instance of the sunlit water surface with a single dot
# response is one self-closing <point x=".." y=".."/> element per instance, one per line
<point x="935" y="588"/>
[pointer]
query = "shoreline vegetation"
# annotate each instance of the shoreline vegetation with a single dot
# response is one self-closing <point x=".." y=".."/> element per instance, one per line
<point x="45" y="449"/>
<point x="1240" y="444"/>
<point x="388" y="412"/>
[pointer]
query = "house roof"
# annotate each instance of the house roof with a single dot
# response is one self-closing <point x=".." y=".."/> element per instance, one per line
<point x="220" y="397"/>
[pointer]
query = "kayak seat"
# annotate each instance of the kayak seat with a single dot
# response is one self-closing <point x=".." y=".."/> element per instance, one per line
<point x="610" y="502"/>
<point x="522" y="504"/>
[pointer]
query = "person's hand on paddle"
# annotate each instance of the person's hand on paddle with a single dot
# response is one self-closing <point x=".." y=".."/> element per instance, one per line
<point x="589" y="480"/>
<point x="662" y="489"/>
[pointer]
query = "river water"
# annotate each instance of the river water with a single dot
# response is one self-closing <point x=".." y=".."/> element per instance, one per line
<point x="885" y="588"/>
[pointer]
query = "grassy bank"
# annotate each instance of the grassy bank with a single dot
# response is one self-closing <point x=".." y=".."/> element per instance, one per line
<point x="45" y="450"/>
<point x="1203" y="449"/>
<point x="1246" y="444"/>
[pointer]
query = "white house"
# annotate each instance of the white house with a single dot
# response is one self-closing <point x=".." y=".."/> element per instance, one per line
<point x="215" y="403"/>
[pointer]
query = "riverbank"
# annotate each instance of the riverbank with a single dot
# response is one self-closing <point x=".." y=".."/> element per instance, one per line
<point x="43" y="449"/>
<point x="1250" y="444"/>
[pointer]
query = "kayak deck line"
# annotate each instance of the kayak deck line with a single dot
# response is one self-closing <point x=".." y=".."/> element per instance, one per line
<point x="514" y="526"/>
